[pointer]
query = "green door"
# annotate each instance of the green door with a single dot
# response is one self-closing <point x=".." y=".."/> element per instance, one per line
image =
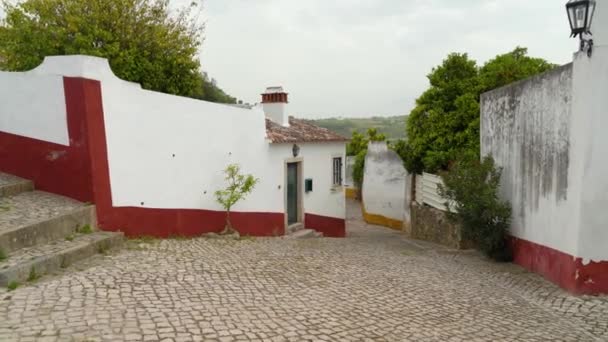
<point x="292" y="193"/>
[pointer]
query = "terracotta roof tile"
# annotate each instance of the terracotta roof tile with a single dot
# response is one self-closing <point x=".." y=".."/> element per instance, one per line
<point x="299" y="131"/>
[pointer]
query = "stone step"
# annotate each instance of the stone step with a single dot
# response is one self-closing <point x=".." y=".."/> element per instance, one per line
<point x="29" y="263"/>
<point x="304" y="234"/>
<point x="294" y="228"/>
<point x="36" y="217"/>
<point x="12" y="185"/>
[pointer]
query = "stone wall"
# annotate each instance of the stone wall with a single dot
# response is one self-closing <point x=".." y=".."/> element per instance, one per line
<point x="430" y="224"/>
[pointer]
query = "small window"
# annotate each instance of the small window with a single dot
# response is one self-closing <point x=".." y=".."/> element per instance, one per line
<point x="337" y="171"/>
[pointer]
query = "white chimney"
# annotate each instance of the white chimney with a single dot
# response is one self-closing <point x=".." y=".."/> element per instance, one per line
<point x="274" y="103"/>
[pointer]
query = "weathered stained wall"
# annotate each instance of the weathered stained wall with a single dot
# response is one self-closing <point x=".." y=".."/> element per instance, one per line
<point x="549" y="135"/>
<point x="384" y="186"/>
<point x="526" y="128"/>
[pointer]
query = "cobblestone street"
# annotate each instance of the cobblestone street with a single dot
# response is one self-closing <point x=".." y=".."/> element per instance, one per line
<point x="374" y="285"/>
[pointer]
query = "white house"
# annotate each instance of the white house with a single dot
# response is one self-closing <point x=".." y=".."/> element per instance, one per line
<point x="151" y="162"/>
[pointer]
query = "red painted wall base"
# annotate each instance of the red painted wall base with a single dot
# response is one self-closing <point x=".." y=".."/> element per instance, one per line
<point x="329" y="226"/>
<point x="567" y="271"/>
<point x="164" y="223"/>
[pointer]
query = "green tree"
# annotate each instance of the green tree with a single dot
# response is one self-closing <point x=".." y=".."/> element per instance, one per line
<point x="212" y="93"/>
<point x="239" y="186"/>
<point x="144" y="40"/>
<point x="511" y="67"/>
<point x="444" y="125"/>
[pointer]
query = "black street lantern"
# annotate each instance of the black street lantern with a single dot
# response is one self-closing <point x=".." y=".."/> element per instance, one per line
<point x="580" y="15"/>
<point x="295" y="150"/>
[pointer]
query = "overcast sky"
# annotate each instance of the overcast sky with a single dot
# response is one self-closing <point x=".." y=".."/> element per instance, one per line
<point x="366" y="57"/>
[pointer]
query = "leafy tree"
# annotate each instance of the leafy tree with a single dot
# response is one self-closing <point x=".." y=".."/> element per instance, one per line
<point x="239" y="186"/>
<point x="144" y="40"/>
<point x="359" y="141"/>
<point x="212" y="93"/>
<point x="471" y="188"/>
<point x="511" y="67"/>
<point x="444" y="125"/>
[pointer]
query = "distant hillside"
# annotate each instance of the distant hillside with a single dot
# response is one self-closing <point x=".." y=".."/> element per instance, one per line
<point x="393" y="126"/>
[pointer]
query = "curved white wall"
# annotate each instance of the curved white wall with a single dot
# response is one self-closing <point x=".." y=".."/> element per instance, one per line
<point x="385" y="183"/>
<point x="168" y="151"/>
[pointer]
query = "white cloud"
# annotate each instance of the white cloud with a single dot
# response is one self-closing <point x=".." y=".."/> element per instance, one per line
<point x="366" y="57"/>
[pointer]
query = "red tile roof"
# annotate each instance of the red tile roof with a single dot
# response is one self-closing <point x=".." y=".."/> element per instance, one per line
<point x="299" y="131"/>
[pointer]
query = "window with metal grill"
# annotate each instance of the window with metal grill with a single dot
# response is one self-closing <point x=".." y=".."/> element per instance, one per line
<point x="337" y="171"/>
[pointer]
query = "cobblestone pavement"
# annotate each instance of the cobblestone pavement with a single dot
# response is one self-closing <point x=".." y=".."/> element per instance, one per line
<point x="374" y="285"/>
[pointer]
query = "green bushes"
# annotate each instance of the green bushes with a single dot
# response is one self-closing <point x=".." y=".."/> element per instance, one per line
<point x="471" y="188"/>
<point x="359" y="168"/>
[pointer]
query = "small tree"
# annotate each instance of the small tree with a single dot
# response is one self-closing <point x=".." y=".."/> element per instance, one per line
<point x="239" y="186"/>
<point x="471" y="188"/>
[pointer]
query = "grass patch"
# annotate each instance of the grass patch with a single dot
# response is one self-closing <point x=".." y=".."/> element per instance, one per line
<point x="3" y="255"/>
<point x="86" y="229"/>
<point x="102" y="248"/>
<point x="13" y="285"/>
<point x="246" y="238"/>
<point x="33" y="276"/>
<point x="179" y="237"/>
<point x="64" y="263"/>
<point x="70" y="237"/>
<point x="144" y="239"/>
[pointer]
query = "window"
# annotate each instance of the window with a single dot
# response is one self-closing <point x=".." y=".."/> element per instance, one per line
<point x="337" y="171"/>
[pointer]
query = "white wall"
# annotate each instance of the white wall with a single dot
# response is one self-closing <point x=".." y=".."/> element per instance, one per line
<point x="526" y="128"/>
<point x="33" y="106"/>
<point x="589" y="127"/>
<point x="384" y="183"/>
<point x="168" y="151"/>
<point x="277" y="112"/>
<point x="348" y="171"/>
<point x="549" y="134"/>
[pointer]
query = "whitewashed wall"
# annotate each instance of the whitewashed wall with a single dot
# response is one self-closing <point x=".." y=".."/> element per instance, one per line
<point x="317" y="164"/>
<point x="35" y="108"/>
<point x="384" y="183"/>
<point x="168" y="151"/>
<point x="549" y="135"/>
<point x="348" y="171"/>
<point x="526" y="128"/>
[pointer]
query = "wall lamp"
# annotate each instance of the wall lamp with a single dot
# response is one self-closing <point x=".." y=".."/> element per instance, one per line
<point x="580" y="15"/>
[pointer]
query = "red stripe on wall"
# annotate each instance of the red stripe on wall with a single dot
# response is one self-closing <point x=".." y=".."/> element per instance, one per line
<point x="55" y="168"/>
<point x="329" y="226"/>
<point x="563" y="269"/>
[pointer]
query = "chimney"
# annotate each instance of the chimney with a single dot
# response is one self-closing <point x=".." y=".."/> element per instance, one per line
<point x="274" y="103"/>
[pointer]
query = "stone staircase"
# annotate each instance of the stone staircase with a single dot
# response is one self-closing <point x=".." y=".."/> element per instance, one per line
<point x="41" y="232"/>
<point x="297" y="231"/>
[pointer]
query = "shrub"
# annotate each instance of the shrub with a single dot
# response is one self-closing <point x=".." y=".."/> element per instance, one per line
<point x="239" y="186"/>
<point x="471" y="188"/>
<point x="13" y="285"/>
<point x="3" y="255"/>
